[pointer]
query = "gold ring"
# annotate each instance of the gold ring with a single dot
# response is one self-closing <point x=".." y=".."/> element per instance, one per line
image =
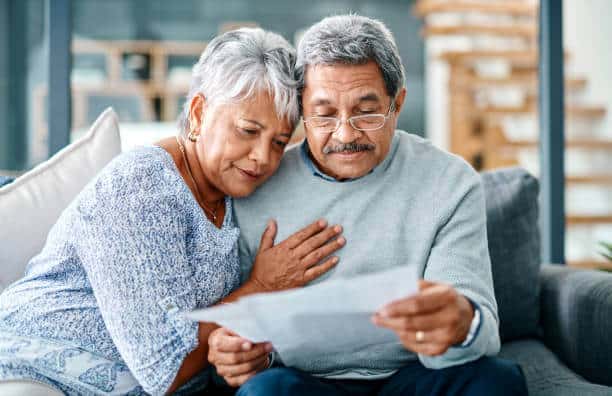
<point x="420" y="336"/>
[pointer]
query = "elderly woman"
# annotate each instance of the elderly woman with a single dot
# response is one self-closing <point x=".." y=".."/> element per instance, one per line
<point x="99" y="309"/>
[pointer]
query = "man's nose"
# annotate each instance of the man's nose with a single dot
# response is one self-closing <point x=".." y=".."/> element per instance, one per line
<point x="346" y="133"/>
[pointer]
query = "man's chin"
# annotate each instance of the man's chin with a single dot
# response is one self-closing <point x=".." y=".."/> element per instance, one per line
<point x="347" y="172"/>
<point x="348" y="157"/>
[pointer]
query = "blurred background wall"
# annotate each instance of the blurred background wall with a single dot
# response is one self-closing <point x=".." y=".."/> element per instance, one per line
<point x="117" y="48"/>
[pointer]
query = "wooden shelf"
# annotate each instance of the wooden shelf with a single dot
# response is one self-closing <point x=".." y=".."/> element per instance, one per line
<point x="587" y="111"/>
<point x="591" y="144"/>
<point x="168" y="47"/>
<point x="528" y="31"/>
<point x="467" y="56"/>
<point x="423" y="8"/>
<point x="525" y="58"/>
<point x="570" y="111"/>
<point x="153" y="96"/>
<point x="131" y="88"/>
<point x="591" y="264"/>
<point x="592" y="179"/>
<point x="582" y="219"/>
<point x="525" y="80"/>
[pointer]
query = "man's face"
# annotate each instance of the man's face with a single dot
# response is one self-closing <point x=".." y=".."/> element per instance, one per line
<point x="345" y="91"/>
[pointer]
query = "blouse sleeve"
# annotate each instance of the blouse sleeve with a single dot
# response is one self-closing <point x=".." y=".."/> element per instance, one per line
<point x="132" y="247"/>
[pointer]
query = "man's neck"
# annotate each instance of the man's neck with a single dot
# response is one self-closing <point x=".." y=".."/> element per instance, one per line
<point x="321" y="169"/>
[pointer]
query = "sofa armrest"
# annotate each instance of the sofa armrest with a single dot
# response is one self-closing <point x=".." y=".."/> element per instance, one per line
<point x="576" y="318"/>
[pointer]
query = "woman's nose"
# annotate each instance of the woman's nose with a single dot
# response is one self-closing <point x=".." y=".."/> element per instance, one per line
<point x="261" y="154"/>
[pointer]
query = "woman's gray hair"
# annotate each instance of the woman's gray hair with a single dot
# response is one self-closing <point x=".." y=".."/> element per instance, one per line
<point x="353" y="40"/>
<point x="241" y="63"/>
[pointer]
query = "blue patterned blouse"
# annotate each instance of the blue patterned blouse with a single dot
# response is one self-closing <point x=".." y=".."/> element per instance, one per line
<point x="98" y="311"/>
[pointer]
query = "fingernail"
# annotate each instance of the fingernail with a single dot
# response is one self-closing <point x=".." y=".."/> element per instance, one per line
<point x="384" y="313"/>
<point x="322" y="222"/>
<point x="335" y="260"/>
<point x="341" y="241"/>
<point x="337" y="228"/>
<point x="246" y="346"/>
<point x="269" y="347"/>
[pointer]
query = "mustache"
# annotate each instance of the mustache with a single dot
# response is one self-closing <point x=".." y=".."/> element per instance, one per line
<point x="350" y="147"/>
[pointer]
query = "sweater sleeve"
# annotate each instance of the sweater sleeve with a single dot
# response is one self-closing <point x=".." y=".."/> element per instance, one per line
<point x="132" y="247"/>
<point x="460" y="257"/>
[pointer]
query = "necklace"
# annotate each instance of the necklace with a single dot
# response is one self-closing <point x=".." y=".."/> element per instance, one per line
<point x="212" y="212"/>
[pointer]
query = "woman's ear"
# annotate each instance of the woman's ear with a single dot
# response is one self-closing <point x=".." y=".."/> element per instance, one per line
<point x="197" y="108"/>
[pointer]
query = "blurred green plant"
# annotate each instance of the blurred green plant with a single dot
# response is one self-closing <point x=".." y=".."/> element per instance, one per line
<point x="607" y="252"/>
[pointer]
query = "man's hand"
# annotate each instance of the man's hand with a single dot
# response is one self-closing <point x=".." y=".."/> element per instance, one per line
<point x="235" y="358"/>
<point x="429" y="322"/>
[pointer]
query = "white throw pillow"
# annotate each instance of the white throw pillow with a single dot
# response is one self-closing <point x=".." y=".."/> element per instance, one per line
<point x="33" y="202"/>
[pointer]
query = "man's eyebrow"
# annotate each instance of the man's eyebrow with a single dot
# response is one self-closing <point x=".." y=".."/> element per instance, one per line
<point x="370" y="97"/>
<point x="259" y="125"/>
<point x="320" y="102"/>
<point x="286" y="134"/>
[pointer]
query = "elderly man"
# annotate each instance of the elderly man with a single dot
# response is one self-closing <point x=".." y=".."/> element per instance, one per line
<point x="401" y="202"/>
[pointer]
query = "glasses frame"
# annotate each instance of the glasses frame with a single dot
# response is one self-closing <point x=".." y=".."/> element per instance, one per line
<point x="351" y="121"/>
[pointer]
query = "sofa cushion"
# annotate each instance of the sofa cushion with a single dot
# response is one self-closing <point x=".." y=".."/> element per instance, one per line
<point x="546" y="375"/>
<point x="4" y="180"/>
<point x="31" y="204"/>
<point x="576" y="317"/>
<point x="511" y="196"/>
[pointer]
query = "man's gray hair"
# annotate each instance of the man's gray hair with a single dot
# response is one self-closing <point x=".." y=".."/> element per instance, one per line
<point x="241" y="63"/>
<point x="353" y="40"/>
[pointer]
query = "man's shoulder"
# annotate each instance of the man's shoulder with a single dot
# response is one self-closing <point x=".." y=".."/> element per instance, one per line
<point x="288" y="172"/>
<point x="416" y="152"/>
<point x="293" y="154"/>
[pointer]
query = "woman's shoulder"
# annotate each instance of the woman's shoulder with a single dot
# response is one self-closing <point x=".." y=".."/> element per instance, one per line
<point x="147" y="167"/>
<point x="141" y="159"/>
<point x="143" y="177"/>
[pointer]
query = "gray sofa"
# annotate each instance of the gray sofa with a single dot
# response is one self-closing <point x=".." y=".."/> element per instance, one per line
<point x="555" y="321"/>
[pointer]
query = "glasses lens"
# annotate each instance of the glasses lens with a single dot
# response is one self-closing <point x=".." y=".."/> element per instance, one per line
<point x="323" y="124"/>
<point x="368" y="122"/>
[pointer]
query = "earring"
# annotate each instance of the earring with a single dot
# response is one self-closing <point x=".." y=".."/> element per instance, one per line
<point x="192" y="136"/>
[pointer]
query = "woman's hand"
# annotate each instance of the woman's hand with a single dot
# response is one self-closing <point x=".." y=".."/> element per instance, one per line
<point x="298" y="259"/>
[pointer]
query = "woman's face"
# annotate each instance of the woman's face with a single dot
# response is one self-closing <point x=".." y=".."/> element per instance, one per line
<point x="240" y="144"/>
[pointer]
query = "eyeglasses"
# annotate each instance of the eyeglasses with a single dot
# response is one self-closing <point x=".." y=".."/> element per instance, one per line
<point x="363" y="123"/>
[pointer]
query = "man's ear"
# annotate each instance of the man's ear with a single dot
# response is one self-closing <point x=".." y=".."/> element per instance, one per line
<point x="197" y="109"/>
<point x="399" y="100"/>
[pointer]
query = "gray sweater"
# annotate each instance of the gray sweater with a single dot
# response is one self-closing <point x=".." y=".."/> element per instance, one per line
<point x="421" y="207"/>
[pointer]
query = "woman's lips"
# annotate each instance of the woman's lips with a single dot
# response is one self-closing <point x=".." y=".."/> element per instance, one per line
<point x="250" y="174"/>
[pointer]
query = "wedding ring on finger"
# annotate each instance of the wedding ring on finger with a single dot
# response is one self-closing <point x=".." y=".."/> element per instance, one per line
<point x="419" y="336"/>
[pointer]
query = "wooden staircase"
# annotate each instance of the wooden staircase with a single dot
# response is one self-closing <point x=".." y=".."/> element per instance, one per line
<point x="492" y="83"/>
